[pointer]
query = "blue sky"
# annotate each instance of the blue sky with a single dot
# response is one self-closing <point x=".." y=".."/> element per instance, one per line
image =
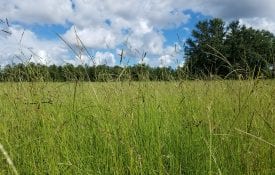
<point x="106" y="27"/>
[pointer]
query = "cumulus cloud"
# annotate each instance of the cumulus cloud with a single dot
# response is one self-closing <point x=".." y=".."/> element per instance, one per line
<point x="142" y="22"/>
<point x="24" y="46"/>
<point x="259" y="14"/>
<point x="235" y="9"/>
<point x="108" y="24"/>
<point x="259" y="23"/>
<point x="165" y="60"/>
<point x="142" y="18"/>
<point x="104" y="58"/>
<point x="41" y="12"/>
<point x="159" y="13"/>
<point x="93" y="37"/>
<point x="145" y="60"/>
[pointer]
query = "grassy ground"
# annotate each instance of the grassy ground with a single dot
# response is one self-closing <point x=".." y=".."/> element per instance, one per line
<point x="192" y="127"/>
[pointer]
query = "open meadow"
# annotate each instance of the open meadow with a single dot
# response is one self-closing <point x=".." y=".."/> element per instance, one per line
<point x="188" y="127"/>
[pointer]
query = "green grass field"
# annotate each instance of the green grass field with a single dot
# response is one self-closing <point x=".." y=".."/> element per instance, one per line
<point x="189" y="127"/>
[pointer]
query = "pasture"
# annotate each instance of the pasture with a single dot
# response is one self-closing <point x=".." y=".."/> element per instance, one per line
<point x="188" y="127"/>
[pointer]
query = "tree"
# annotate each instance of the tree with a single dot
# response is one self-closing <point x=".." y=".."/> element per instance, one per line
<point x="229" y="51"/>
<point x="250" y="51"/>
<point x="201" y="50"/>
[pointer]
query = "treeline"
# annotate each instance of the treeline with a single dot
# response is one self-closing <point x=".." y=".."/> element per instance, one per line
<point x="102" y="73"/>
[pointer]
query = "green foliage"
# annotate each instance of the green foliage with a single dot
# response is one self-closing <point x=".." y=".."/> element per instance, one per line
<point x="200" y="61"/>
<point x="229" y="51"/>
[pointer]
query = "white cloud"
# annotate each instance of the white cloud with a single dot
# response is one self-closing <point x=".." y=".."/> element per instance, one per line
<point x="105" y="58"/>
<point x="41" y="12"/>
<point x="259" y="23"/>
<point x="142" y="18"/>
<point x="259" y="14"/>
<point x="108" y="24"/>
<point x="165" y="60"/>
<point x="93" y="37"/>
<point x="24" y="46"/>
<point x="143" y="27"/>
<point x="156" y="13"/>
<point x="232" y="9"/>
<point x="145" y="60"/>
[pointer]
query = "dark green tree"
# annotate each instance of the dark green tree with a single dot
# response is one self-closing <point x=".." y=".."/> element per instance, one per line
<point x="229" y="51"/>
<point x="249" y="51"/>
<point x="202" y="49"/>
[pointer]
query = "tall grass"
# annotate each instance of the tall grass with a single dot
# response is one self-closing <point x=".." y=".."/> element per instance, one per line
<point x="191" y="127"/>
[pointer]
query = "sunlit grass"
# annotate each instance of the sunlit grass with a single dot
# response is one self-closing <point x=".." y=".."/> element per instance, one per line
<point x="192" y="127"/>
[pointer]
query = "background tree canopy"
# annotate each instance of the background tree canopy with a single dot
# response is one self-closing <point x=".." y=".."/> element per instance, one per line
<point x="229" y="50"/>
